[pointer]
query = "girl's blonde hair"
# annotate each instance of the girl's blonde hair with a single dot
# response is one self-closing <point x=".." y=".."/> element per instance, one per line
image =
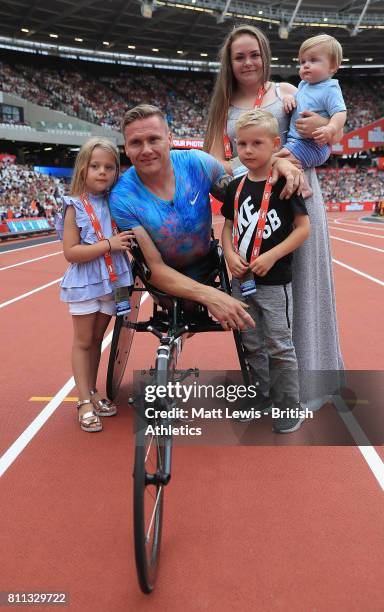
<point x="226" y="83"/>
<point x="334" y="48"/>
<point x="80" y="170"/>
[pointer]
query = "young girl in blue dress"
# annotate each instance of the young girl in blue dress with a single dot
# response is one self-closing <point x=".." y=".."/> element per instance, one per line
<point x="99" y="265"/>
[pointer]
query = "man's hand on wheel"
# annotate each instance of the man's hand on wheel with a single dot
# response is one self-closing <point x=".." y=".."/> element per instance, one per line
<point x="231" y="313"/>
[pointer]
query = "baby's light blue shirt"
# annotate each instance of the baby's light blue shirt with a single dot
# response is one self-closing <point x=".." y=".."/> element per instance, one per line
<point x="324" y="98"/>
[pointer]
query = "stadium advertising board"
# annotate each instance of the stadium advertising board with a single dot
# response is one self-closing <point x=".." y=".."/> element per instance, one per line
<point x="7" y="157"/>
<point x="362" y="139"/>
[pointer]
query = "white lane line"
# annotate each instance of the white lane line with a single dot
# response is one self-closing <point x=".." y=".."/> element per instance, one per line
<point x="364" y="246"/>
<point x="375" y="463"/>
<point x="359" y="272"/>
<point x="361" y="225"/>
<point x="353" y="220"/>
<point x="20" y="297"/>
<point x="371" y="456"/>
<point x="341" y="229"/>
<point x="21" y="263"/>
<point x="19" y="445"/>
<point x="32" y="246"/>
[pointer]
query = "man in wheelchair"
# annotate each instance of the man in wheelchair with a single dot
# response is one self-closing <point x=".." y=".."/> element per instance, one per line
<point x="164" y="199"/>
<point x="210" y="270"/>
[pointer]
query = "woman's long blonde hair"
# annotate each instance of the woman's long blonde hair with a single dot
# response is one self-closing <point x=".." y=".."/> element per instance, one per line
<point x="80" y="170"/>
<point x="225" y="84"/>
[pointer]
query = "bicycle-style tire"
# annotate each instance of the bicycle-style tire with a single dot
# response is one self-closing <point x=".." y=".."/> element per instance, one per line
<point x="147" y="556"/>
<point x="149" y="504"/>
<point x="122" y="341"/>
<point x="241" y="357"/>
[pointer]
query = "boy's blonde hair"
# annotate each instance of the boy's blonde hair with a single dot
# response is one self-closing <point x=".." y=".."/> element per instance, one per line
<point x="334" y="48"/>
<point x="80" y="170"/>
<point x="260" y="118"/>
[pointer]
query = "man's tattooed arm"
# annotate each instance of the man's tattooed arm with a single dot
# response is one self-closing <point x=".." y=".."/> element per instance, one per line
<point x="219" y="189"/>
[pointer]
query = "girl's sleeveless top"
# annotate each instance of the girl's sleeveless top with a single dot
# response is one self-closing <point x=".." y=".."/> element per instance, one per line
<point x="90" y="280"/>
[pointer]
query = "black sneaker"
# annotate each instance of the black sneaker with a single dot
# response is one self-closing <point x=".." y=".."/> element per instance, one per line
<point x="289" y="421"/>
<point x="262" y="404"/>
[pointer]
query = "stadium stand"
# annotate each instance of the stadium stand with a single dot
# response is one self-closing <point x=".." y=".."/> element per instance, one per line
<point x="365" y="103"/>
<point x="102" y="99"/>
<point x="351" y="184"/>
<point x="20" y="186"/>
<point x="99" y="97"/>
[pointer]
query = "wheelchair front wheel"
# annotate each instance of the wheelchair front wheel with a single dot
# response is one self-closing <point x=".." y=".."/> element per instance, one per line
<point x="148" y="493"/>
<point x="152" y="472"/>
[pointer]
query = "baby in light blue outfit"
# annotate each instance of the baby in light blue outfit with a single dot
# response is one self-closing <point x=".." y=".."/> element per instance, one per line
<point x="320" y="57"/>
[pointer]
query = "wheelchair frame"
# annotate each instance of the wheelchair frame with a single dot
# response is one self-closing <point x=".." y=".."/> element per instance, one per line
<point x="161" y="319"/>
<point x="171" y="321"/>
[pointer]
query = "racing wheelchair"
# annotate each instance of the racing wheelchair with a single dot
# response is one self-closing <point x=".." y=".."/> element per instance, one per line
<point x="172" y="321"/>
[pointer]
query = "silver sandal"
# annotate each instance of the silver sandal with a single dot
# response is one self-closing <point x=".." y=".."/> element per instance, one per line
<point x="103" y="407"/>
<point x="89" y="421"/>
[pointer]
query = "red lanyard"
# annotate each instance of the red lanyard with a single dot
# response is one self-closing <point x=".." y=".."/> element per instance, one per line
<point x="99" y="233"/>
<point x="261" y="220"/>
<point x="227" y="142"/>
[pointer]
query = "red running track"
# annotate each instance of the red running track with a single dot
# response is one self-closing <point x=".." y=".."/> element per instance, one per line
<point x="246" y="528"/>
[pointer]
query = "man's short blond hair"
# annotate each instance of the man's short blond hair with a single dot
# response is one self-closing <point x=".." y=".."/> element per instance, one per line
<point x="142" y="111"/>
<point x="334" y="48"/>
<point x="260" y="118"/>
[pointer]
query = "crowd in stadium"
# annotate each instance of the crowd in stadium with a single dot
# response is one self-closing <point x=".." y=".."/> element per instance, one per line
<point x="364" y="103"/>
<point x="14" y="83"/>
<point x="22" y="190"/>
<point x="21" y="186"/>
<point x="104" y="99"/>
<point x="351" y="184"/>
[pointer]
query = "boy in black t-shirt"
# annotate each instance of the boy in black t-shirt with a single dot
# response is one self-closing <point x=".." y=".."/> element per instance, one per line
<point x="269" y="347"/>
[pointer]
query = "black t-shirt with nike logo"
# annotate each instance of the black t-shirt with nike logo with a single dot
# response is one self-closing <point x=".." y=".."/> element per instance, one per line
<point x="278" y="226"/>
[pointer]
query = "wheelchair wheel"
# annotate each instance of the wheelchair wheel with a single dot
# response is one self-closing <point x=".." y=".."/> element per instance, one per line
<point x="152" y="472"/>
<point x="224" y="281"/>
<point x="148" y="495"/>
<point x="241" y="357"/>
<point x="121" y="342"/>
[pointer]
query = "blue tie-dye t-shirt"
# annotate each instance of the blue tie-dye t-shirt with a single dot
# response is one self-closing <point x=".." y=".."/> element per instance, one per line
<point x="180" y="229"/>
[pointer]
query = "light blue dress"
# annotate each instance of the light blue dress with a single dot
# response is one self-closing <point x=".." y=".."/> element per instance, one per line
<point x="90" y="280"/>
